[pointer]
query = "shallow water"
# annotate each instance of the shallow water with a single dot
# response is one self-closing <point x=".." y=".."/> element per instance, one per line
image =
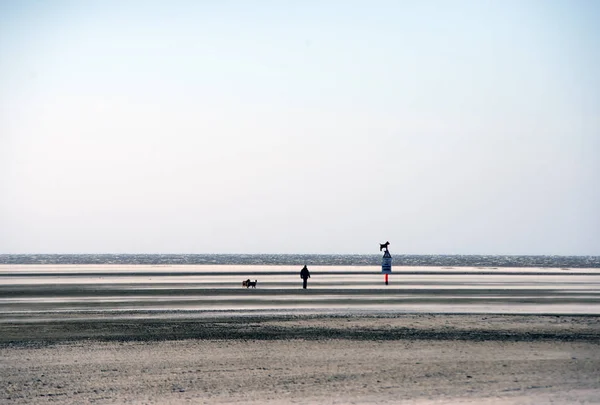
<point x="31" y="291"/>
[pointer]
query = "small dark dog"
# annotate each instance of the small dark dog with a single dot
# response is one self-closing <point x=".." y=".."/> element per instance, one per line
<point x="384" y="246"/>
<point x="248" y="283"/>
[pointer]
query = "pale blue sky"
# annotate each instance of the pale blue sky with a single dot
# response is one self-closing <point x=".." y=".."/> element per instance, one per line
<point x="445" y="127"/>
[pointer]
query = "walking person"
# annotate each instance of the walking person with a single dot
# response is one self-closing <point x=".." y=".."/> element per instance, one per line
<point x="304" y="275"/>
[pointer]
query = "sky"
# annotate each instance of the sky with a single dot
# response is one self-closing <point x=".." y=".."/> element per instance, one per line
<point x="444" y="127"/>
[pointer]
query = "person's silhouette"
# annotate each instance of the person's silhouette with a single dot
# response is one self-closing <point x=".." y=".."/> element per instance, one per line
<point x="304" y="275"/>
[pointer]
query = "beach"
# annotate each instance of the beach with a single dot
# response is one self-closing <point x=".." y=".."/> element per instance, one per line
<point x="417" y="358"/>
<point x="80" y="336"/>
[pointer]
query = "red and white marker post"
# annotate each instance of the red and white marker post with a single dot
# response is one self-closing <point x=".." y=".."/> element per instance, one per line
<point x="386" y="265"/>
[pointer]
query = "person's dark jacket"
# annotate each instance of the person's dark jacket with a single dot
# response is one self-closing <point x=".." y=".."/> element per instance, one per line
<point x="304" y="273"/>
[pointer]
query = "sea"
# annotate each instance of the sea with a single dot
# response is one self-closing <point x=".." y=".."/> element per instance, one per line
<point x="301" y="259"/>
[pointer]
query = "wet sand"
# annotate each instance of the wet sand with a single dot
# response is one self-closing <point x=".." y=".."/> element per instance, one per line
<point x="48" y="290"/>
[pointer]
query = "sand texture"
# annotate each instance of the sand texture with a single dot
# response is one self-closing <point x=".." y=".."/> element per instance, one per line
<point x="410" y="358"/>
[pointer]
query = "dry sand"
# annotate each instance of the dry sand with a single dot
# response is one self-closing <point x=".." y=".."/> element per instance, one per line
<point x="409" y="358"/>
